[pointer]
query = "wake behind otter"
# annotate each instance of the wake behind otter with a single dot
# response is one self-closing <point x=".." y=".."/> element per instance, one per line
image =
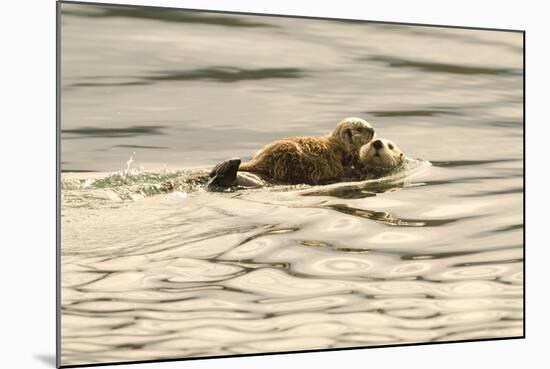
<point x="139" y="184"/>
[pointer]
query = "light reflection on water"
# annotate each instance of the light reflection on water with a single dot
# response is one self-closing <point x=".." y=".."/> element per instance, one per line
<point x="150" y="274"/>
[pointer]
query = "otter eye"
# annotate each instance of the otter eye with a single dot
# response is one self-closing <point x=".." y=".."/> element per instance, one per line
<point x="390" y="146"/>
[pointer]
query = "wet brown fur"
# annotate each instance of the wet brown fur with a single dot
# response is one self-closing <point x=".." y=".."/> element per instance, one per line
<point x="309" y="160"/>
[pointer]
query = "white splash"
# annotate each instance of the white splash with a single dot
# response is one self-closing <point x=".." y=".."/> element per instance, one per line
<point x="129" y="164"/>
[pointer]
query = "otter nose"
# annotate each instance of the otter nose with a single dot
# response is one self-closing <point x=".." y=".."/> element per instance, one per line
<point x="377" y="144"/>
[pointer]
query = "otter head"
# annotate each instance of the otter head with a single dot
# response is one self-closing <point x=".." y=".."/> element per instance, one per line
<point x="353" y="133"/>
<point x="380" y="154"/>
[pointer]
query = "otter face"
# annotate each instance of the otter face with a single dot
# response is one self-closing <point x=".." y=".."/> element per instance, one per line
<point x="381" y="154"/>
<point x="354" y="133"/>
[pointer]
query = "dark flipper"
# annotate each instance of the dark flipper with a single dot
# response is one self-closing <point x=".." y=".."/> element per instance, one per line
<point x="224" y="174"/>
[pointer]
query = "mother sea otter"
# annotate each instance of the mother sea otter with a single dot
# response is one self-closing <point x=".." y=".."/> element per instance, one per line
<point x="375" y="158"/>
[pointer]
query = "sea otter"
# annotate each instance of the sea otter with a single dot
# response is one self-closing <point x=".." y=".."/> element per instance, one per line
<point x="375" y="157"/>
<point x="379" y="155"/>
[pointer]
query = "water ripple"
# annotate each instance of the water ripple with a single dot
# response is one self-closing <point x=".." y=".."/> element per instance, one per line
<point x="433" y="67"/>
<point x="155" y="14"/>
<point x="389" y="219"/>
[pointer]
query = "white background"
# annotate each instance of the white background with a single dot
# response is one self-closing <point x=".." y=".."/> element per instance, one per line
<point x="27" y="183"/>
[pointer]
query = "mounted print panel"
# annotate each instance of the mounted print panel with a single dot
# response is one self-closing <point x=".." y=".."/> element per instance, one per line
<point x="237" y="184"/>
